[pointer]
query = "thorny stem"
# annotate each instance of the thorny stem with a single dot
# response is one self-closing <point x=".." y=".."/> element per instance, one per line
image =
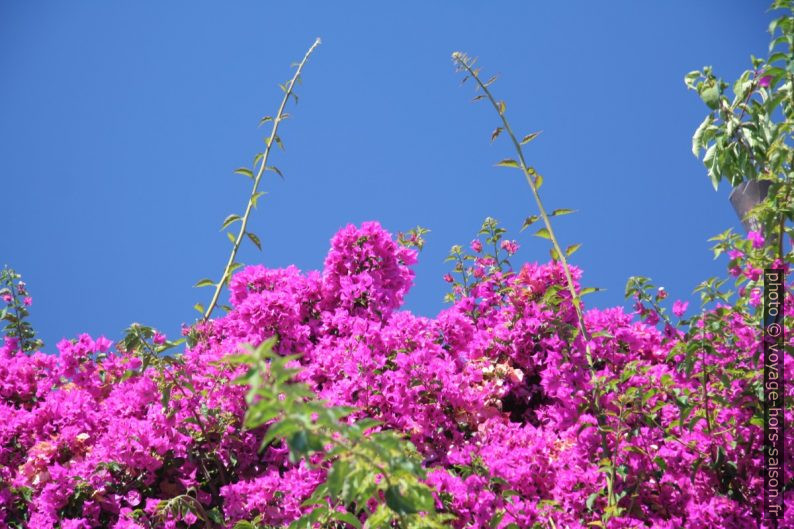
<point x="263" y="166"/>
<point x="529" y="174"/>
<point x="463" y="275"/>
<point x="495" y="248"/>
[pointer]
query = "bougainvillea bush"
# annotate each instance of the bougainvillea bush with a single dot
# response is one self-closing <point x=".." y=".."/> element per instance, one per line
<point x="317" y="401"/>
<point x="490" y="392"/>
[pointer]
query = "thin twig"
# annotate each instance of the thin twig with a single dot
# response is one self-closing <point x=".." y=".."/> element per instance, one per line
<point x="252" y="199"/>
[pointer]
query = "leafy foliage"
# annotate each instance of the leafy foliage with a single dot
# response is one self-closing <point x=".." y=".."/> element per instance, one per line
<point x="373" y="474"/>
<point x="15" y="301"/>
<point x="747" y="136"/>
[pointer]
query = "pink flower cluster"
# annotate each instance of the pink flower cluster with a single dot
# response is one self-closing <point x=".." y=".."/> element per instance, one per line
<point x="495" y="392"/>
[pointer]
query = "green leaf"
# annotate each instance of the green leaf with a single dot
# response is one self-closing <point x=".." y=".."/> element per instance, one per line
<point x="697" y="138"/>
<point x="265" y="120"/>
<point x="275" y="169"/>
<point x="298" y="444"/>
<point x="399" y="503"/>
<point x="278" y="430"/>
<point x="255" y="197"/>
<point x="231" y="237"/>
<point x="562" y="211"/>
<point x="199" y="308"/>
<point x="501" y="106"/>
<point x="204" y="283"/>
<point x="529" y="221"/>
<point x="229" y="220"/>
<point x="589" y="290"/>
<point x="508" y="162"/>
<point x="572" y="248"/>
<point x="166" y="396"/>
<point x="633" y="448"/>
<point x="711" y="96"/>
<point x="215" y="515"/>
<point x="346" y="517"/>
<point x="245" y="172"/>
<point x="591" y="499"/>
<point x="544" y="233"/>
<point x="709" y="160"/>
<point x="379" y="518"/>
<point x="529" y="137"/>
<point x="742" y="86"/>
<point x="496" y="519"/>
<point x="691" y="77"/>
<point x="495" y="134"/>
<point x="777" y="56"/>
<point x="254" y="239"/>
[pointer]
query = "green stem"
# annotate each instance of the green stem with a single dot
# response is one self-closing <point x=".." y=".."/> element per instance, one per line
<point x="251" y="200"/>
<point x="492" y="233"/>
<point x="529" y="173"/>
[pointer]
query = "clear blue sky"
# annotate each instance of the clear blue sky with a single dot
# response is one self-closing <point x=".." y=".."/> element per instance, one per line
<point x="123" y="121"/>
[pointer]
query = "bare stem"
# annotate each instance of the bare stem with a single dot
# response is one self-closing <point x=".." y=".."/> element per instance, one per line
<point x="263" y="166"/>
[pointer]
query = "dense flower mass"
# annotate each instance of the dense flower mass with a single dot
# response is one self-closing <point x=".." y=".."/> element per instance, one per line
<point x="495" y="392"/>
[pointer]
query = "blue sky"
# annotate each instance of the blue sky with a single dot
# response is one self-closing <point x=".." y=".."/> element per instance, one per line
<point x="122" y="123"/>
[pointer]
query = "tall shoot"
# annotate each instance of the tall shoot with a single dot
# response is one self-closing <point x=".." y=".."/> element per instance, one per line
<point x="466" y="64"/>
<point x="262" y="159"/>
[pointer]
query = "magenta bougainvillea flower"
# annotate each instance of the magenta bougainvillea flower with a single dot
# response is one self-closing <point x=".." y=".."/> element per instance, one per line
<point x="679" y="307"/>
<point x="756" y="238"/>
<point x="511" y="247"/>
<point x="493" y="391"/>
